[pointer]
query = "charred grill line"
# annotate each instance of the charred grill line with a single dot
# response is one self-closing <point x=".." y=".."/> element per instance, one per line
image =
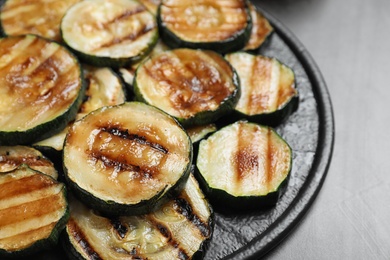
<point x="123" y="166"/>
<point x="166" y="233"/>
<point x="81" y="239"/>
<point x="124" y="134"/>
<point x="183" y="207"/>
<point x="119" y="227"/>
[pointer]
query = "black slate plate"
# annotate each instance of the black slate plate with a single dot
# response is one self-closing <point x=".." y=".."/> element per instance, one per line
<point x="310" y="133"/>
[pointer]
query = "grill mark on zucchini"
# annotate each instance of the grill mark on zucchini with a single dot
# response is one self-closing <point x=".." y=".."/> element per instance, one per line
<point x="119" y="228"/>
<point x="82" y="240"/>
<point x="36" y="208"/>
<point x="164" y="230"/>
<point x="195" y="91"/>
<point x="23" y="186"/>
<point x="183" y="207"/>
<point x="124" y="134"/>
<point x="132" y="36"/>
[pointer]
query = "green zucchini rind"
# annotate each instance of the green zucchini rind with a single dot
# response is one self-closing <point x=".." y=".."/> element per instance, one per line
<point x="109" y="33"/>
<point x="11" y="157"/>
<point x="197" y="87"/>
<point x="247" y="172"/>
<point x="126" y="159"/>
<point x="42" y="88"/>
<point x="222" y="26"/>
<point x="268" y="92"/>
<point x="180" y="229"/>
<point x="33" y="211"/>
<point x="39" y="17"/>
<point x="261" y="29"/>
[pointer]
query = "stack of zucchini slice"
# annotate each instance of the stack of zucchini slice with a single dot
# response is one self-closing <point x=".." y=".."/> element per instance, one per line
<point x="136" y="102"/>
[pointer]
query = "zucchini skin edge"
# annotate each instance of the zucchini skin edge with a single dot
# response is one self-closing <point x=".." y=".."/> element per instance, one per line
<point x="234" y="43"/>
<point x="48" y="128"/>
<point x="46" y="243"/>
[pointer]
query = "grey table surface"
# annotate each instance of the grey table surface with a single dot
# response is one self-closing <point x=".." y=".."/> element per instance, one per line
<point x="350" y="42"/>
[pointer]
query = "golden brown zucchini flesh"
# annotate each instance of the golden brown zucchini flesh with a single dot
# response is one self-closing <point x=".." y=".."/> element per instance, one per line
<point x="195" y="86"/>
<point x="261" y="29"/>
<point x="11" y="157"/>
<point x="40" y="17"/>
<point x="244" y="166"/>
<point x="219" y="25"/>
<point x="33" y="211"/>
<point x="109" y="33"/>
<point x="126" y="159"/>
<point x="177" y="230"/>
<point x="41" y="87"/>
<point x="268" y="93"/>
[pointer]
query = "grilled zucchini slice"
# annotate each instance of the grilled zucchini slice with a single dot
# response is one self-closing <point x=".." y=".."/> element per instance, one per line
<point x="41" y="86"/>
<point x="103" y="88"/>
<point x="268" y="93"/>
<point x="179" y="229"/>
<point x="195" y="86"/>
<point x="261" y="29"/>
<point x="219" y="25"/>
<point x="11" y="157"/>
<point x="152" y="5"/>
<point x="126" y="159"/>
<point x="244" y="166"/>
<point x="111" y="33"/>
<point x="33" y="211"/>
<point x="40" y="17"/>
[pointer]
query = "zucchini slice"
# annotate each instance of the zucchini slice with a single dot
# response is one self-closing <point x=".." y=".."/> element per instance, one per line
<point x="109" y="33"/>
<point x="219" y="25"/>
<point x="179" y="229"/>
<point x="103" y="88"/>
<point x="41" y="86"/>
<point x="261" y="29"/>
<point x="268" y="93"/>
<point x="126" y="159"/>
<point x="152" y="5"/>
<point x="40" y="17"/>
<point x="244" y="166"/>
<point x="11" y="157"/>
<point x="33" y="211"/>
<point x="195" y="86"/>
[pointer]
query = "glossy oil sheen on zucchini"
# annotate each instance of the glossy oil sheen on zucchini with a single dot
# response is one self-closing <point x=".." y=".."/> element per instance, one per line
<point x="40" y="17"/>
<point x="219" y="25"/>
<point x="126" y="159"/>
<point x="268" y="93"/>
<point x="244" y="166"/>
<point x="33" y="211"/>
<point x="194" y="86"/>
<point x="111" y="33"/>
<point x="103" y="88"/>
<point x="177" y="230"/>
<point x="41" y="86"/>
<point x="11" y="157"/>
<point x="261" y="29"/>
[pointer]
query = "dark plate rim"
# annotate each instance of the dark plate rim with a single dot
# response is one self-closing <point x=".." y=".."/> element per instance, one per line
<point x="281" y="228"/>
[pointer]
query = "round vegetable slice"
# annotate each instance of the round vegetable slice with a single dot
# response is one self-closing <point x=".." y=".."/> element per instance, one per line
<point x="33" y="211"/>
<point x="111" y="33"/>
<point x="195" y="86"/>
<point x="103" y="88"/>
<point x="268" y="93"/>
<point x="244" y="166"/>
<point x="40" y="17"/>
<point x="41" y="86"/>
<point x="126" y="159"/>
<point x="11" y="157"/>
<point x="261" y="29"/>
<point x="219" y="25"/>
<point x="179" y="229"/>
